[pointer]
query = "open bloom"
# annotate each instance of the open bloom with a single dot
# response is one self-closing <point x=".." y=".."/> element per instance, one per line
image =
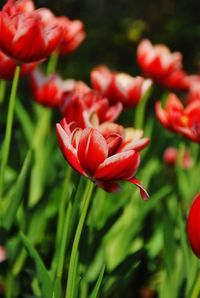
<point x="17" y="6"/>
<point x="80" y="105"/>
<point x="50" y="90"/>
<point x="26" y="38"/>
<point x="119" y="86"/>
<point x="175" y="117"/>
<point x="8" y="65"/>
<point x="98" y="157"/>
<point x="193" y="225"/>
<point x="73" y="32"/>
<point x="163" y="66"/>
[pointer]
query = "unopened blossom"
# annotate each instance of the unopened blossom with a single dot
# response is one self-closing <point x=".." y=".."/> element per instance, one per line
<point x="97" y="157"/>
<point x="80" y="105"/>
<point x="118" y="86"/>
<point x="160" y="64"/>
<point x="180" y="119"/>
<point x="193" y="225"/>
<point x="26" y="38"/>
<point x="8" y="66"/>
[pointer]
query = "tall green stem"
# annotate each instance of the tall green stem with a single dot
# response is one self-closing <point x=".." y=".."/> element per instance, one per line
<point x="140" y="110"/>
<point x="9" y="124"/>
<point x="52" y="64"/>
<point x="72" y="265"/>
<point x="2" y="90"/>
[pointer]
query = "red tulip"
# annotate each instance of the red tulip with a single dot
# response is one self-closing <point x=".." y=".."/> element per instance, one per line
<point x="26" y="38"/>
<point x="119" y="86"/>
<point x="164" y="67"/>
<point x="3" y="254"/>
<point x="97" y="157"/>
<point x="172" y="155"/>
<point x="193" y="225"/>
<point x="194" y="89"/>
<point x="82" y="105"/>
<point x="17" y="6"/>
<point x="73" y="31"/>
<point x="175" y="117"/>
<point x="49" y="90"/>
<point x="132" y="137"/>
<point x="8" y="65"/>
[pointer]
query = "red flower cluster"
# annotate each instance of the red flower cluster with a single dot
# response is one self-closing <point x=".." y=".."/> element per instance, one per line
<point x="104" y="159"/>
<point x="29" y="35"/>
<point x="164" y="67"/>
<point x="194" y="88"/>
<point x="119" y="86"/>
<point x="193" y="225"/>
<point x="175" y="117"/>
<point x="171" y="156"/>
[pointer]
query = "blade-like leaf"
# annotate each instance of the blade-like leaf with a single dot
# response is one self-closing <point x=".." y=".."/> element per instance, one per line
<point x="16" y="195"/>
<point x="41" y="271"/>
<point x="95" y="292"/>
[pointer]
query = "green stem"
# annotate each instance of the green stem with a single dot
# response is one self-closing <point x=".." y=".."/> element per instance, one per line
<point x="52" y="64"/>
<point x="74" y="254"/>
<point x="62" y="206"/>
<point x="140" y="109"/>
<point x="9" y="124"/>
<point x="2" y="90"/>
<point x="196" y="289"/>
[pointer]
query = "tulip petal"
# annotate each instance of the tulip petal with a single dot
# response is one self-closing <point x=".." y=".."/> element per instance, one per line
<point x="122" y="165"/>
<point x="144" y="194"/>
<point x="68" y="150"/>
<point x="109" y="186"/>
<point x="92" y="150"/>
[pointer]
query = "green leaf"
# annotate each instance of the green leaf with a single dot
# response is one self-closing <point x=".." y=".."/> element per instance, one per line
<point x="95" y="292"/>
<point x="16" y="195"/>
<point x="41" y="271"/>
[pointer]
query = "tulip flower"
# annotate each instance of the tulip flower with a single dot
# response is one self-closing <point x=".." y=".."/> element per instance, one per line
<point x="50" y="90"/>
<point x="73" y="32"/>
<point x="171" y="156"/>
<point x="17" y="6"/>
<point x="194" y="88"/>
<point x="26" y="38"/>
<point x="97" y="157"/>
<point x="193" y="225"/>
<point x="161" y="65"/>
<point x="8" y="66"/>
<point x="175" y="117"/>
<point x="119" y="86"/>
<point x="80" y="106"/>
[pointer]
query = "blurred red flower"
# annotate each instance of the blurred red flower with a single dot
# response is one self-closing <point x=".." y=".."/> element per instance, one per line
<point x="8" y="65"/>
<point x="171" y="156"/>
<point x="193" y="225"/>
<point x="163" y="66"/>
<point x="88" y="108"/>
<point x="97" y="157"/>
<point x="73" y="32"/>
<point x="175" y="117"/>
<point x="26" y="38"/>
<point x="194" y="88"/>
<point x="50" y="90"/>
<point x="119" y="86"/>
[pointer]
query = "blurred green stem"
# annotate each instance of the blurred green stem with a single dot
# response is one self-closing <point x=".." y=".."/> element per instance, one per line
<point x="52" y="64"/>
<point x="140" y="109"/>
<point x="196" y="289"/>
<point x="2" y="90"/>
<point x="72" y="265"/>
<point x="9" y="124"/>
